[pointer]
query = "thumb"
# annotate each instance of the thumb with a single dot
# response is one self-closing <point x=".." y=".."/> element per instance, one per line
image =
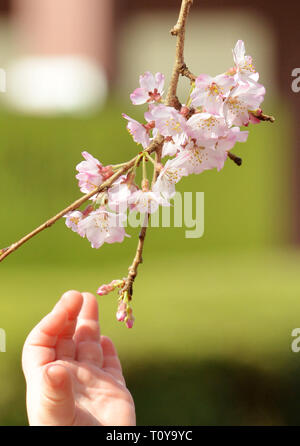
<point x="57" y="399"/>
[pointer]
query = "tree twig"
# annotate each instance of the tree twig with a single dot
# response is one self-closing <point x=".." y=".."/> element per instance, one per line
<point x="171" y="100"/>
<point x="262" y="117"/>
<point x="236" y="159"/>
<point x="138" y="258"/>
<point x="179" y="31"/>
<point x="184" y="71"/>
<point x="76" y="204"/>
<point x="179" y="68"/>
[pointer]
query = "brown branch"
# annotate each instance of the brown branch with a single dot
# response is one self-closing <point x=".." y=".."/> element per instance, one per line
<point x="236" y="159"/>
<point x="138" y="258"/>
<point x="76" y="204"/>
<point x="171" y="100"/>
<point x="262" y="117"/>
<point x="184" y="71"/>
<point x="179" y="31"/>
<point x="132" y="270"/>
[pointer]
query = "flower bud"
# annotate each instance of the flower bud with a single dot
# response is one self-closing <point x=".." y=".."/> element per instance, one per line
<point x="130" y="318"/>
<point x="121" y="311"/>
<point x="103" y="290"/>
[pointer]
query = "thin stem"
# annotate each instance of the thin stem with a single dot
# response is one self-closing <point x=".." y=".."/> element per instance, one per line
<point x="144" y="169"/>
<point x="76" y="204"/>
<point x="189" y="100"/>
<point x="171" y="100"/>
<point x="117" y="166"/>
<point x="151" y="159"/>
<point x="155" y="146"/>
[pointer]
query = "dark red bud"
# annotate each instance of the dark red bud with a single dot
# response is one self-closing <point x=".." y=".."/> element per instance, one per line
<point x="106" y="172"/>
<point x="87" y="210"/>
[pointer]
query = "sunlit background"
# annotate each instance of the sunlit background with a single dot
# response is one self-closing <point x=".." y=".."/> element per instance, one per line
<point x="212" y="338"/>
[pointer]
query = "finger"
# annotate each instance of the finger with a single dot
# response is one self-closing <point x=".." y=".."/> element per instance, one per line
<point x="88" y="328"/>
<point x="57" y="405"/>
<point x="39" y="345"/>
<point x="71" y="302"/>
<point x="87" y="335"/>
<point x="111" y="362"/>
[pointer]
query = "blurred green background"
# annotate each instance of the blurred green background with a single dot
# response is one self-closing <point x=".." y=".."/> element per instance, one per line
<point x="211" y="342"/>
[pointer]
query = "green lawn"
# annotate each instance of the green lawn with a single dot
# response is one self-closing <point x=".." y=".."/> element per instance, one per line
<point x="201" y="320"/>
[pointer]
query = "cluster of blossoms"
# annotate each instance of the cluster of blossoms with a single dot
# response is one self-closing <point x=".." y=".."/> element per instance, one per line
<point x="197" y="136"/>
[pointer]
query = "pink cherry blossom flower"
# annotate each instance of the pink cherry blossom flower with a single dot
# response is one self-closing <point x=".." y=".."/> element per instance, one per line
<point x="144" y="201"/>
<point x="151" y="89"/>
<point x="210" y="92"/>
<point x="173" y="144"/>
<point x="234" y="134"/>
<point x="201" y="158"/>
<point x="242" y="99"/>
<point x="168" y="121"/>
<point x="138" y="131"/>
<point x="102" y="226"/>
<point x="244" y="67"/>
<point x="120" y="192"/>
<point x="90" y="173"/>
<point x="72" y="221"/>
<point x="205" y="127"/>
<point x="171" y="173"/>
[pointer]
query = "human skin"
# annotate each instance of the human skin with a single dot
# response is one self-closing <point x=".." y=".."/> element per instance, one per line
<point x="73" y="375"/>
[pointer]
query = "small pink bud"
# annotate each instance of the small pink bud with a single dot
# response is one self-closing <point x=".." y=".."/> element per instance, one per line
<point x="121" y="312"/>
<point x="129" y="323"/>
<point x="105" y="289"/>
<point x="129" y="320"/>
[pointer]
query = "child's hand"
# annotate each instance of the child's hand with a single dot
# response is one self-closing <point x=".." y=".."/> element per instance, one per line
<point x="73" y="375"/>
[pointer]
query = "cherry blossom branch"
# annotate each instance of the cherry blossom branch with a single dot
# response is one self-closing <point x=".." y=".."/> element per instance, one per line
<point x="179" y="68"/>
<point x="138" y="258"/>
<point x="184" y="71"/>
<point x="171" y="100"/>
<point x="179" y="31"/>
<point x="76" y="204"/>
